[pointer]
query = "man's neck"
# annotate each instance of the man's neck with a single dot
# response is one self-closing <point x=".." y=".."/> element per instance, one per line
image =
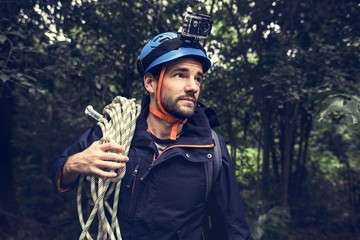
<point x="159" y="127"/>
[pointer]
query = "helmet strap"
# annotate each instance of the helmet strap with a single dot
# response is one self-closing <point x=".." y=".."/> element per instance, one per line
<point x="162" y="113"/>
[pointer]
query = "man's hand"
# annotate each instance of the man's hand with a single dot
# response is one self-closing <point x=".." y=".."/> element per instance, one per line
<point x="93" y="161"/>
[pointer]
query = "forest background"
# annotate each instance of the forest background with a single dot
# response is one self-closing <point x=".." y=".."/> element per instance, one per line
<point x="285" y="84"/>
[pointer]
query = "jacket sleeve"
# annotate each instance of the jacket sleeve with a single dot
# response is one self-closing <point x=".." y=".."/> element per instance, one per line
<point x="226" y="205"/>
<point x="84" y="141"/>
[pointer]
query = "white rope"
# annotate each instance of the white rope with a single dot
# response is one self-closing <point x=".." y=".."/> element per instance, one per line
<point x="119" y="127"/>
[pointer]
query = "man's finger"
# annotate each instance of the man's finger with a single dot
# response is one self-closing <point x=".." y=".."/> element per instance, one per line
<point x="112" y="147"/>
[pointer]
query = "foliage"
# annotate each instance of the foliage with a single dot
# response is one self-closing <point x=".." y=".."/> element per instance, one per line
<point x="345" y="108"/>
<point x="272" y="62"/>
<point x="267" y="223"/>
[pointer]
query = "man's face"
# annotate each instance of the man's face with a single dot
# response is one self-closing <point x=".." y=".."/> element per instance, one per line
<point x="181" y="87"/>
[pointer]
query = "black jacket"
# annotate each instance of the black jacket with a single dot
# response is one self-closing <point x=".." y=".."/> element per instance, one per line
<point x="165" y="199"/>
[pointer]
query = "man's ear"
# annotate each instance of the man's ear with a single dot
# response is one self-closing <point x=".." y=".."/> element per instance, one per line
<point x="150" y="83"/>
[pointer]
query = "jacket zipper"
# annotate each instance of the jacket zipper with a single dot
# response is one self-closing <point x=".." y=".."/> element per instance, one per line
<point x="132" y="184"/>
<point x="189" y="146"/>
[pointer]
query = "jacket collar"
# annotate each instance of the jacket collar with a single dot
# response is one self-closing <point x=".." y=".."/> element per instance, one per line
<point x="195" y="131"/>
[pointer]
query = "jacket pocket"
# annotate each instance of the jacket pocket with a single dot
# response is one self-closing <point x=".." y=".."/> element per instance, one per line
<point x="179" y="234"/>
<point x="131" y="186"/>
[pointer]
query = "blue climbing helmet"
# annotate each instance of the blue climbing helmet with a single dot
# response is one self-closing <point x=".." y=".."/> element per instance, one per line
<point x="166" y="47"/>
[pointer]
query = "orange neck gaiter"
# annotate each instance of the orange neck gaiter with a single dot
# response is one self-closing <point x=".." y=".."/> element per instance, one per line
<point x="161" y="113"/>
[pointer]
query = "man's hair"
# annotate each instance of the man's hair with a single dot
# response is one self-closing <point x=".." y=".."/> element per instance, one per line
<point x="155" y="71"/>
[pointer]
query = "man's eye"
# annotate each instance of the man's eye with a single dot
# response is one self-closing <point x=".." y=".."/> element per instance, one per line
<point x="179" y="75"/>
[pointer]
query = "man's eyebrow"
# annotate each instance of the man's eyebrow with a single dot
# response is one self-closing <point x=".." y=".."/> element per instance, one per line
<point x="181" y="69"/>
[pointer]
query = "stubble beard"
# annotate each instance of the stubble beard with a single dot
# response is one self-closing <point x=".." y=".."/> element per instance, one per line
<point x="173" y="107"/>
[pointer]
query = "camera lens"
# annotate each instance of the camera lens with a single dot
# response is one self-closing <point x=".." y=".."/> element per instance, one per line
<point x="205" y="27"/>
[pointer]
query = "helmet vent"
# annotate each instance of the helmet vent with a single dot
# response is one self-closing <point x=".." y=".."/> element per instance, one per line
<point x="164" y="39"/>
<point x="155" y="39"/>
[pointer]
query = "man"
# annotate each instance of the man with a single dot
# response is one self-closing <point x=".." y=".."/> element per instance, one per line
<point x="163" y="193"/>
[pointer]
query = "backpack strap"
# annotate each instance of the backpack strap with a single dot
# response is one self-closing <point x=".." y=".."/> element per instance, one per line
<point x="212" y="168"/>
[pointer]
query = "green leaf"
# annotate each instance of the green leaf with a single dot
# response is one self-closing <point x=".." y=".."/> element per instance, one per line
<point x="335" y="105"/>
<point x="4" y="77"/>
<point x="3" y="38"/>
<point x="50" y="68"/>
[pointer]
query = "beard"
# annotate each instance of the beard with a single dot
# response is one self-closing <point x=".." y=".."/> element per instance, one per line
<point x="173" y="107"/>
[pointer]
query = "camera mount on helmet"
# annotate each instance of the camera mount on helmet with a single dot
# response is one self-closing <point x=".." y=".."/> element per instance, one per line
<point x="165" y="47"/>
<point x="168" y="46"/>
<point x="196" y="26"/>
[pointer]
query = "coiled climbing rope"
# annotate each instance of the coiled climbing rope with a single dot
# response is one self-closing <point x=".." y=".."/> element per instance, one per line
<point x="117" y="125"/>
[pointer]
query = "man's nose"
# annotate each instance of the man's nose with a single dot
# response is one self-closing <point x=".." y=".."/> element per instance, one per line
<point x="192" y="85"/>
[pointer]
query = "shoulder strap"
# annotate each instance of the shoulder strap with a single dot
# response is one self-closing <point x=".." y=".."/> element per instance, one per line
<point x="212" y="168"/>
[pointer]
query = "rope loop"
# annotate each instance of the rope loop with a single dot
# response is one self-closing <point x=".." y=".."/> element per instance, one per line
<point x="117" y="124"/>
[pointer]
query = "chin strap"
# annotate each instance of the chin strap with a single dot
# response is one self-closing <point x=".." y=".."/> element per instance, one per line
<point x="162" y="113"/>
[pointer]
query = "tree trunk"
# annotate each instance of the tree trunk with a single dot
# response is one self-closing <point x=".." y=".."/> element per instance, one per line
<point x="290" y="125"/>
<point x="232" y="137"/>
<point x="265" y="117"/>
<point x="300" y="171"/>
<point x="7" y="200"/>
